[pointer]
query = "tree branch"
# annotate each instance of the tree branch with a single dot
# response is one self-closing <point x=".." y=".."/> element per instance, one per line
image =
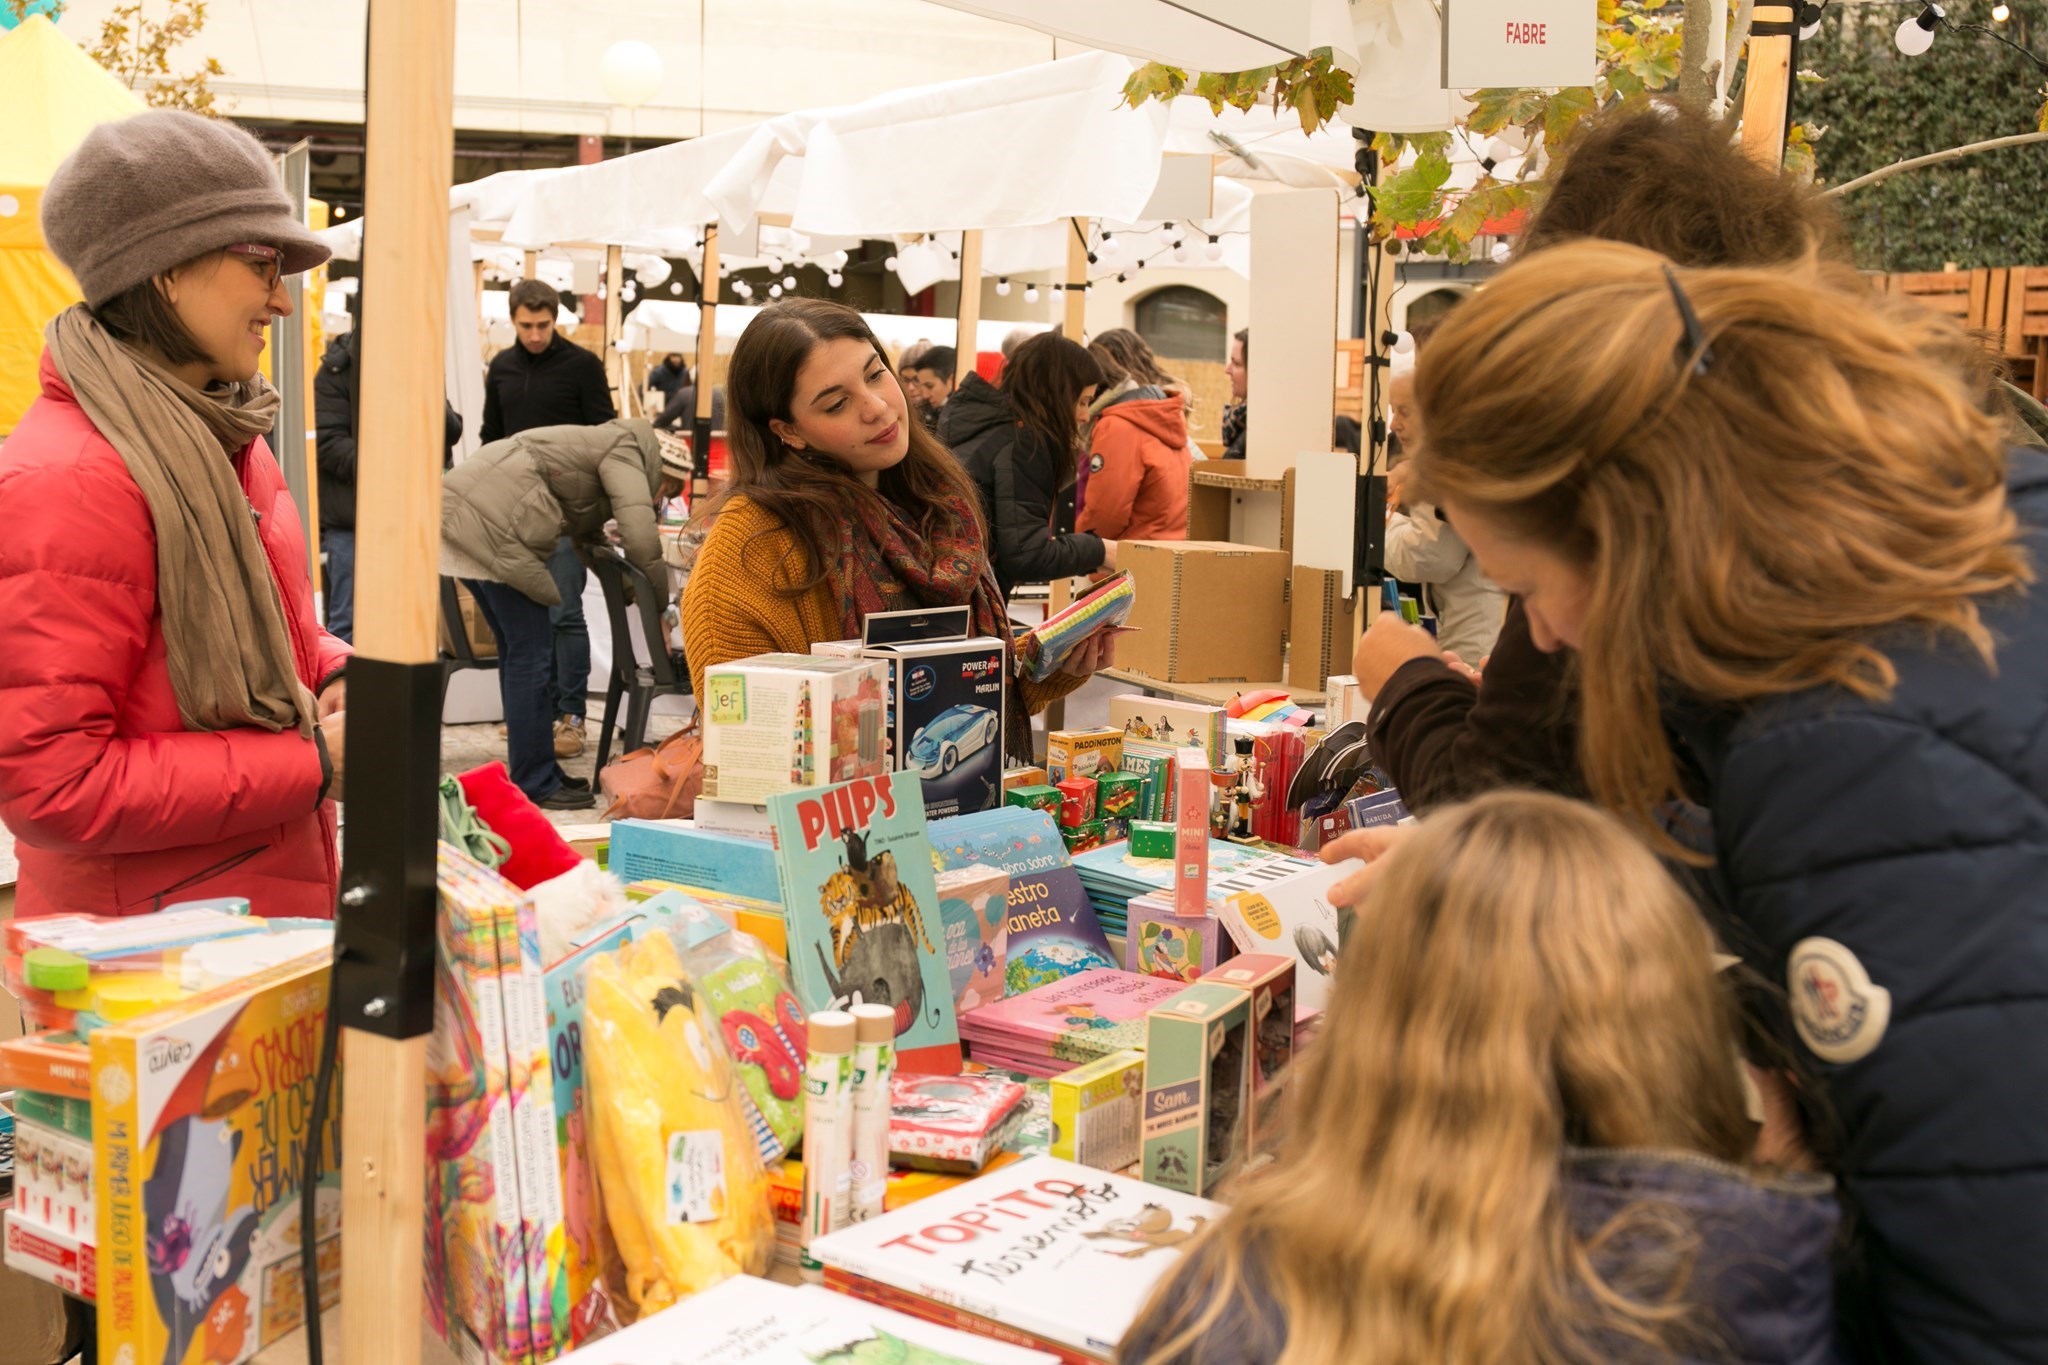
<point x="1695" y="84"/>
<point x="1738" y="34"/>
<point x="1935" y="159"/>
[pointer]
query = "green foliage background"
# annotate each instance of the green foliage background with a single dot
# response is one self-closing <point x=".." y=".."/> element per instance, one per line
<point x="1879" y="107"/>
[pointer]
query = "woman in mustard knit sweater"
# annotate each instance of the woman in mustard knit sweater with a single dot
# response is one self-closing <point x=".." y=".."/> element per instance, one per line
<point x="840" y="506"/>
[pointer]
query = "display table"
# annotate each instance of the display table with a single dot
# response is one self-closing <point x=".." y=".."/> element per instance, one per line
<point x="1210" y="694"/>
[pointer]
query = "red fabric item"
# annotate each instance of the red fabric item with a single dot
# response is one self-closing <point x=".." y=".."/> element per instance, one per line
<point x="116" y="807"/>
<point x="1138" y="471"/>
<point x="538" y="853"/>
<point x="989" y="365"/>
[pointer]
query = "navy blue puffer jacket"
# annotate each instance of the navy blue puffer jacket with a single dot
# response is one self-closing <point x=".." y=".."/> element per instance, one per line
<point x="1888" y="863"/>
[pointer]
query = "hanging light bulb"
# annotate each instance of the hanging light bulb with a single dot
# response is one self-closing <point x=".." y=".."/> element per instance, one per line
<point x="2001" y="12"/>
<point x="1404" y="342"/>
<point x="1110" y="249"/>
<point x="1180" y="249"/>
<point x="1214" y="251"/>
<point x="676" y="288"/>
<point x="838" y="260"/>
<point x="1502" y="253"/>
<point x="1031" y="293"/>
<point x="789" y="281"/>
<point x="1002" y="287"/>
<point x="835" y="279"/>
<point x="1916" y="34"/>
<point x="774" y="291"/>
<point x="341" y="210"/>
<point x="743" y="289"/>
<point x="1809" y="21"/>
<point x="889" y="265"/>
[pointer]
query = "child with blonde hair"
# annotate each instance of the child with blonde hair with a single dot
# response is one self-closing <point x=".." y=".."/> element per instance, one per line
<point x="1520" y="1135"/>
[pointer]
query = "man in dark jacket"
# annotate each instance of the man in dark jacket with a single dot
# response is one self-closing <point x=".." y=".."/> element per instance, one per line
<point x="548" y="380"/>
<point x="671" y="374"/>
<point x="337" y="403"/>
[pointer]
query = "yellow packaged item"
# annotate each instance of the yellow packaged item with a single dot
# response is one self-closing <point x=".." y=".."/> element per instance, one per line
<point x="678" y="1171"/>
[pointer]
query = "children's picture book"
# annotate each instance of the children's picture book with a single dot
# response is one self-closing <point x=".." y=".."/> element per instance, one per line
<point x="749" y="1321"/>
<point x="974" y="907"/>
<point x="1067" y="1022"/>
<point x="200" y="1119"/>
<point x="1069" y="1260"/>
<point x="863" y="910"/>
<point x="1053" y="931"/>
<point x="1294" y="916"/>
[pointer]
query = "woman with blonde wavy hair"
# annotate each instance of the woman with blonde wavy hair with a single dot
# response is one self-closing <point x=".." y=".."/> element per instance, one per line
<point x="1794" y="556"/>
<point x="1519" y="1136"/>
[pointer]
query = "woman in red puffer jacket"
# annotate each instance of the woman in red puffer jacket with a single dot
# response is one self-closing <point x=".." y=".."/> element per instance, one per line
<point x="170" y="708"/>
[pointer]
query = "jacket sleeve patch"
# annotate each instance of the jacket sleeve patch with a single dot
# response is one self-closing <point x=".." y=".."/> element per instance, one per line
<point x="1840" y="1013"/>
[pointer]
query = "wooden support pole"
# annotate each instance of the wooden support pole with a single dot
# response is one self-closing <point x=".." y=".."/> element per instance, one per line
<point x="529" y="268"/>
<point x="1076" y="319"/>
<point x="614" y="312"/>
<point x="707" y="347"/>
<point x="965" y="346"/>
<point x="409" y="165"/>
<point x="1767" y="89"/>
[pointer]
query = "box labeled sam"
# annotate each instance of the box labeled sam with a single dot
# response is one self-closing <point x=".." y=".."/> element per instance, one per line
<point x="1198" y="1062"/>
<point x="781" y="722"/>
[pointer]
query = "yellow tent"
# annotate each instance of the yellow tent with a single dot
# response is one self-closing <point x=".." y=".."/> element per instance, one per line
<point x="51" y="96"/>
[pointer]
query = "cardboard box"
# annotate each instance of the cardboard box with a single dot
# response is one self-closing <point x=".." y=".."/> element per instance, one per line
<point x="1198" y="1069"/>
<point x="1151" y="839"/>
<point x="1077" y="801"/>
<point x="1117" y="795"/>
<point x="1268" y="978"/>
<point x="475" y="629"/>
<point x="1083" y="753"/>
<point x="947" y="708"/>
<point x="1347" y="703"/>
<point x="1097" y="1112"/>
<point x="1206" y="611"/>
<point x="1159" y="941"/>
<point x="1014" y="778"/>
<point x="777" y="722"/>
<point x="1322" y="628"/>
<point x="1176" y="724"/>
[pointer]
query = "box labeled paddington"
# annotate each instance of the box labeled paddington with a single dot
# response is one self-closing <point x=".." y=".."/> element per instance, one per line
<point x="1083" y="753"/>
<point x="1268" y="978"/>
<point x="1197" y="1087"/>
<point x="782" y="722"/>
<point x="1096" y="1112"/>
<point x="947" y="705"/>
<point x="1206" y="611"/>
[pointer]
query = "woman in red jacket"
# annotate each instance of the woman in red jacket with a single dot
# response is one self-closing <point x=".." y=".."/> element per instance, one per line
<point x="170" y="709"/>
<point x="1138" y="460"/>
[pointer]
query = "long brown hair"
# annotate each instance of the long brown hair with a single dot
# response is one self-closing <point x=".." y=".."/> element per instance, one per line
<point x="1746" y="530"/>
<point x="1044" y="381"/>
<point x="813" y="494"/>
<point x="1526" y="978"/>
<point x="1123" y="354"/>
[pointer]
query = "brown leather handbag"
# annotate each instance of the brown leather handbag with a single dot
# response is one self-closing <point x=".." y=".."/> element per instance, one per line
<point x="660" y="783"/>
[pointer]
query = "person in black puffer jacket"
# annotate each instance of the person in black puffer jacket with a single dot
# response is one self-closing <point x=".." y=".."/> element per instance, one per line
<point x="1024" y="468"/>
<point x="337" y="405"/>
<point x="1799" y="565"/>
<point x="1518" y="1137"/>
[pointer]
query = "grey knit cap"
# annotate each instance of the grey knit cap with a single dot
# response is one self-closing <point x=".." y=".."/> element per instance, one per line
<point x="154" y="191"/>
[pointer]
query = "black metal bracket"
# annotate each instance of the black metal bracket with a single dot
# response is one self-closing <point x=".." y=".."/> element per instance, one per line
<point x="384" y="934"/>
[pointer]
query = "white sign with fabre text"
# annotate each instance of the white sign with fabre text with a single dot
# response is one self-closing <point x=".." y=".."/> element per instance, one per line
<point x="1544" y="43"/>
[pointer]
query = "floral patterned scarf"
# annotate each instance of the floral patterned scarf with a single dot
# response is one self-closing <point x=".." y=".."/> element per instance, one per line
<point x="887" y="564"/>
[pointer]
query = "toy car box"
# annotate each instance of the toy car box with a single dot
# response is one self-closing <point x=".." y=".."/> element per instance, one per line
<point x="1198" y="1067"/>
<point x="777" y="722"/>
<point x="946" y="705"/>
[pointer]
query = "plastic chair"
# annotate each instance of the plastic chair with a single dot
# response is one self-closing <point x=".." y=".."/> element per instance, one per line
<point x="458" y="639"/>
<point x="663" y="674"/>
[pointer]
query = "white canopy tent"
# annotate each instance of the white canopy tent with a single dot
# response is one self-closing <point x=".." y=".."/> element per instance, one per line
<point x="663" y="325"/>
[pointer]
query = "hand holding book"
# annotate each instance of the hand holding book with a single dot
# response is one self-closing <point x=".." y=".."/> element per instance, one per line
<point x="1092" y="621"/>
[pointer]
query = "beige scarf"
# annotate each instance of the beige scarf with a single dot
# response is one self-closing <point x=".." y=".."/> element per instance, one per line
<point x="229" y="651"/>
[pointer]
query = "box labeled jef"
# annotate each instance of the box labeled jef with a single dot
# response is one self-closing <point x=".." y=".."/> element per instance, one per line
<point x="780" y="722"/>
<point x="1198" y="1064"/>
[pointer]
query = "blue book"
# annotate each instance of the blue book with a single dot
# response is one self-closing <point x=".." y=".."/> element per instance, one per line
<point x="667" y="851"/>
<point x="1053" y="931"/>
<point x="863" y="910"/>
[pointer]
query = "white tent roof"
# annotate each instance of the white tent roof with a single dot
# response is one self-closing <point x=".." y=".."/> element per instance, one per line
<point x="663" y="326"/>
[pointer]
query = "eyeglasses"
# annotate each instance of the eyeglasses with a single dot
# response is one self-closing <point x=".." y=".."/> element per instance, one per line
<point x="266" y="261"/>
<point x="1699" y="352"/>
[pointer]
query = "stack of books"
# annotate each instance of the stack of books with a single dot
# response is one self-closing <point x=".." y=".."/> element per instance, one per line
<point x="1066" y="1023"/>
<point x="1112" y="876"/>
<point x="1064" y="1270"/>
